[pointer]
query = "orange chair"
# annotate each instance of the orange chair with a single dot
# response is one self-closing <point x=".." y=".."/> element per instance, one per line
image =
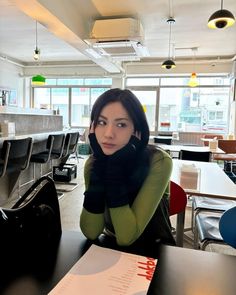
<point x="178" y="202"/>
<point x="211" y="136"/>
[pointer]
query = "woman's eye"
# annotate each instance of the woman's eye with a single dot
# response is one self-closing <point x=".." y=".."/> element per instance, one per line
<point x="101" y="122"/>
<point x="122" y="125"/>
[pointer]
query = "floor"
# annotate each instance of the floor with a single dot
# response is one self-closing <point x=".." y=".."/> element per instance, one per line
<point x="71" y="204"/>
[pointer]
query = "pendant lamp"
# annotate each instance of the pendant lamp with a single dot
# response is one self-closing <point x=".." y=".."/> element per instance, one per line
<point x="193" y="81"/>
<point x="221" y="19"/>
<point x="37" y="50"/>
<point x="169" y="63"/>
<point x="38" y="80"/>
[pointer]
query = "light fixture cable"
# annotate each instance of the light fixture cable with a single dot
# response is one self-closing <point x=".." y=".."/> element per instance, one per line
<point x="37" y="50"/>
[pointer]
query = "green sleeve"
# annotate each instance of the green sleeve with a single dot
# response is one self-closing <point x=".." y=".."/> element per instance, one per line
<point x="130" y="222"/>
<point x="91" y="224"/>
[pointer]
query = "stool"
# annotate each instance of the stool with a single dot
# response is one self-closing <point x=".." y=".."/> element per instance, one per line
<point x="15" y="157"/>
<point x="70" y="148"/>
<point x="54" y="150"/>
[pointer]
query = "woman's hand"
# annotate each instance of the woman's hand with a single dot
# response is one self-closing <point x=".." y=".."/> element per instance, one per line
<point x="97" y="151"/>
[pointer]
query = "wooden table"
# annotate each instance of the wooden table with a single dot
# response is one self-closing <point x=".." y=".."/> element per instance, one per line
<point x="179" y="271"/>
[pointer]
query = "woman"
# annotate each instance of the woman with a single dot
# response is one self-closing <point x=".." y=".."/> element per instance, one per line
<point x="126" y="181"/>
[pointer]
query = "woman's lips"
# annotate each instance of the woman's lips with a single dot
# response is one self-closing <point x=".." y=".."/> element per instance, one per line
<point x="108" y="145"/>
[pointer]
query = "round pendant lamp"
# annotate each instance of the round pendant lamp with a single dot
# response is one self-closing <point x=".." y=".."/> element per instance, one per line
<point x="169" y="63"/>
<point x="221" y="19"/>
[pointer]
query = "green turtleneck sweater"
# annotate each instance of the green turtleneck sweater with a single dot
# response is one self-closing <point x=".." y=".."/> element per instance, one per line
<point x="129" y="222"/>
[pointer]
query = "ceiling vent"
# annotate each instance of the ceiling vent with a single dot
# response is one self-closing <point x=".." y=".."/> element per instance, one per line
<point x="120" y="39"/>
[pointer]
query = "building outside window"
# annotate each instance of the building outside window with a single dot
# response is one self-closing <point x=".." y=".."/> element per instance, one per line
<point x="173" y="106"/>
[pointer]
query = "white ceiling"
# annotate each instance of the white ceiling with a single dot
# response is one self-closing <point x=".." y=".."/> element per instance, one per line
<point x="64" y="24"/>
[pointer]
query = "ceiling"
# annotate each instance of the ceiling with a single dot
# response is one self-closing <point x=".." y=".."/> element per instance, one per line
<point x="65" y="24"/>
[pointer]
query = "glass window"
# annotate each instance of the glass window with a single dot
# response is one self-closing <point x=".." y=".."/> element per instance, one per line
<point x="98" y="81"/>
<point x="194" y="109"/>
<point x="142" y="81"/>
<point x="80" y="107"/>
<point x="148" y="100"/>
<point x="41" y="98"/>
<point x="60" y="102"/>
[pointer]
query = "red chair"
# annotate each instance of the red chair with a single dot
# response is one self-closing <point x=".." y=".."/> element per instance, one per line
<point x="178" y="202"/>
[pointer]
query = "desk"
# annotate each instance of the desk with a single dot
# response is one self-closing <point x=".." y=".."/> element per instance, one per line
<point x="176" y="148"/>
<point x="213" y="180"/>
<point x="213" y="183"/>
<point x="179" y="271"/>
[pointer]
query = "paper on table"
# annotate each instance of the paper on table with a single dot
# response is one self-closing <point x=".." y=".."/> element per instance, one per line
<point x="103" y="271"/>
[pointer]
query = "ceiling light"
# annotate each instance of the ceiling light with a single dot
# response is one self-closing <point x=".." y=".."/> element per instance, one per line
<point x="37" y="50"/>
<point x="169" y="63"/>
<point x="193" y="82"/>
<point x="38" y="80"/>
<point x="221" y="19"/>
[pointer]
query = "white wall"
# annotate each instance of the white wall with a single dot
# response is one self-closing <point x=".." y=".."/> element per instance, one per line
<point x="10" y="79"/>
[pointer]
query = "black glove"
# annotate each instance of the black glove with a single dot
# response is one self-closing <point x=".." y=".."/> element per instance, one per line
<point x="94" y="196"/>
<point x="97" y="151"/>
<point x="119" y="166"/>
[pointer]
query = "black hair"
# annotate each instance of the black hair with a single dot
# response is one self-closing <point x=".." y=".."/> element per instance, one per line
<point x="132" y="105"/>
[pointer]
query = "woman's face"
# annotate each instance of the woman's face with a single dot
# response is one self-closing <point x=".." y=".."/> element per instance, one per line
<point x="114" y="128"/>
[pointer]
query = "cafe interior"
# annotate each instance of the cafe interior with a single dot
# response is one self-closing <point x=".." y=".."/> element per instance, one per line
<point x="179" y="59"/>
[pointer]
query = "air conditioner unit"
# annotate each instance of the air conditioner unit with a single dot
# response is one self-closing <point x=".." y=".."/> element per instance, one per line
<point x="120" y="39"/>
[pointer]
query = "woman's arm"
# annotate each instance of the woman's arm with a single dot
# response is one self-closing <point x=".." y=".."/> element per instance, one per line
<point x="91" y="224"/>
<point x="130" y="222"/>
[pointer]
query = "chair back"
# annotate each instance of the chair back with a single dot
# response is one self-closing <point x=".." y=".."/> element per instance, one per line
<point x="211" y="136"/>
<point x="227" y="227"/>
<point x="228" y="146"/>
<point x="178" y="199"/>
<point x="195" y="156"/>
<point x="16" y="154"/>
<point x="58" y="145"/>
<point x="167" y="141"/>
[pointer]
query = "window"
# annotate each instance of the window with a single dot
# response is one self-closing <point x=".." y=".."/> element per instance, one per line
<point x="177" y="107"/>
<point x="74" y="103"/>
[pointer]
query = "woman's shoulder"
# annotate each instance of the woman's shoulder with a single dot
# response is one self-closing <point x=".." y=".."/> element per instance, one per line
<point x="157" y="153"/>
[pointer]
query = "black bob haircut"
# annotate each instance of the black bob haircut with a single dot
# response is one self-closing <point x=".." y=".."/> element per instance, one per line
<point x="132" y="105"/>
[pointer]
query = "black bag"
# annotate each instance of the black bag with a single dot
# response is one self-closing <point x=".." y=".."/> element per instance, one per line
<point x="34" y="218"/>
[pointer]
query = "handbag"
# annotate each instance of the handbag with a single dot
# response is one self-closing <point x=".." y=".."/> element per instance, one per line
<point x="34" y="219"/>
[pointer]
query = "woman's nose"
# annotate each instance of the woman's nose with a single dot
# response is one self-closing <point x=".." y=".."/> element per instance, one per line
<point x="109" y="131"/>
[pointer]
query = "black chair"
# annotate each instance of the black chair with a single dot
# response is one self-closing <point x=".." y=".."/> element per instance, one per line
<point x="70" y="147"/>
<point x="15" y="155"/>
<point x="195" y="156"/>
<point x="15" y="158"/>
<point x="160" y="140"/>
<point x="60" y="173"/>
<point x="53" y="150"/>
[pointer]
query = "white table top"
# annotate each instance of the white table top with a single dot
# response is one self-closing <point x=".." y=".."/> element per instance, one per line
<point x="213" y="180"/>
<point x="177" y="148"/>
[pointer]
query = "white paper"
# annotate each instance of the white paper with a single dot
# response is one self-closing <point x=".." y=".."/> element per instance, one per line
<point x="102" y="271"/>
